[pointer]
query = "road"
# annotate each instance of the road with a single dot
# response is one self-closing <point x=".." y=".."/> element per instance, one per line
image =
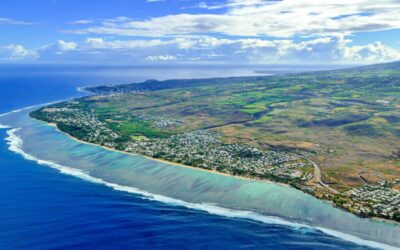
<point x="317" y="177"/>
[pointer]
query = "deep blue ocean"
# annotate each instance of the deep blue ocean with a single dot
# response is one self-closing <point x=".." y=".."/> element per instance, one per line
<point x="41" y="208"/>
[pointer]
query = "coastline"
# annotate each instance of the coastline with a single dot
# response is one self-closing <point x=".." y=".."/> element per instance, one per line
<point x="209" y="208"/>
<point x="330" y="202"/>
<point x="47" y="143"/>
<point x="161" y="160"/>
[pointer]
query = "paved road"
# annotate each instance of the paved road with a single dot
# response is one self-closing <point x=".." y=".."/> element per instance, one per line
<point x="317" y="177"/>
<point x="362" y="179"/>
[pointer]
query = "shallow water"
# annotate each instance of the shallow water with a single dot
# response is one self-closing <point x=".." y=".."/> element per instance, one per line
<point x="218" y="194"/>
<point x="122" y="201"/>
<point x="43" y="209"/>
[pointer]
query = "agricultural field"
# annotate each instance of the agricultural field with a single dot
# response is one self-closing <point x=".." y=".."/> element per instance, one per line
<point x="346" y="122"/>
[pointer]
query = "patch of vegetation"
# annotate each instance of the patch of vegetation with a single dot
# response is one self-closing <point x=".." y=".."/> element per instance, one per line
<point x="343" y="116"/>
<point x="362" y="130"/>
<point x="137" y="128"/>
<point x="338" y="120"/>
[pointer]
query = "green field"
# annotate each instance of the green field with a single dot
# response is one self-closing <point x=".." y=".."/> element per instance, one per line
<point x="349" y="120"/>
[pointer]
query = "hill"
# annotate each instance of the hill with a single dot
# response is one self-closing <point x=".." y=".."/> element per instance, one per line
<point x="333" y="133"/>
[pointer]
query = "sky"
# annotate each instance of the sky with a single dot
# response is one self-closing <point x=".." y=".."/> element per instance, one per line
<point x="187" y="31"/>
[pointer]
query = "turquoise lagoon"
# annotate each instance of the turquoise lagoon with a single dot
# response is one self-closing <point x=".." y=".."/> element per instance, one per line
<point x="214" y="193"/>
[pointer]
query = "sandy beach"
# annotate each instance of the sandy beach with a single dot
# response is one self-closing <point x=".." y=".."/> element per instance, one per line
<point x="161" y="160"/>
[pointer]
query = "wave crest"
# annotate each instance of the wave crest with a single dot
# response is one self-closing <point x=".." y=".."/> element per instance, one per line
<point x="15" y="143"/>
<point x="2" y="126"/>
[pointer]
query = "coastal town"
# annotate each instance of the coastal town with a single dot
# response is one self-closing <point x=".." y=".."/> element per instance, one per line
<point x="206" y="149"/>
<point x="199" y="148"/>
<point x="200" y="124"/>
<point x="380" y="199"/>
<point x="203" y="149"/>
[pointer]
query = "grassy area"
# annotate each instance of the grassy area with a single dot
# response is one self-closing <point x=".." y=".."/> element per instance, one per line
<point x="344" y="116"/>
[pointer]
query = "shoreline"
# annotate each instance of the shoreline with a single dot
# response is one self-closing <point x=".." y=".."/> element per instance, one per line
<point x="379" y="219"/>
<point x="165" y="161"/>
<point x="359" y="240"/>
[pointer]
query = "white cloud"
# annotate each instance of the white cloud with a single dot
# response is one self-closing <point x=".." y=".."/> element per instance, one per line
<point x="65" y="46"/>
<point x="246" y="28"/>
<point x="263" y="17"/>
<point x="372" y="52"/>
<point x="82" y="21"/>
<point x="232" y="4"/>
<point x="100" y="43"/>
<point x="16" y="52"/>
<point x="10" y="21"/>
<point x="61" y="50"/>
<point x="325" y="50"/>
<point x="160" y="58"/>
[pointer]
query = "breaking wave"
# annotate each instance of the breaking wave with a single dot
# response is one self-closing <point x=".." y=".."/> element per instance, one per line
<point x="83" y="90"/>
<point x="2" y="126"/>
<point x="15" y="144"/>
<point x="26" y="108"/>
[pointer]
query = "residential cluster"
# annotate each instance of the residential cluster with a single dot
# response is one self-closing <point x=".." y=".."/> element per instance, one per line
<point x="381" y="199"/>
<point x="159" y="122"/>
<point x="203" y="148"/>
<point x="83" y="124"/>
<point x="200" y="148"/>
<point x="206" y="149"/>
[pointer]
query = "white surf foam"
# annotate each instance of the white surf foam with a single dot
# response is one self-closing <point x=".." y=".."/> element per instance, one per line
<point x="33" y="106"/>
<point x="26" y="108"/>
<point x="15" y="143"/>
<point x="82" y="90"/>
<point x="4" y="126"/>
